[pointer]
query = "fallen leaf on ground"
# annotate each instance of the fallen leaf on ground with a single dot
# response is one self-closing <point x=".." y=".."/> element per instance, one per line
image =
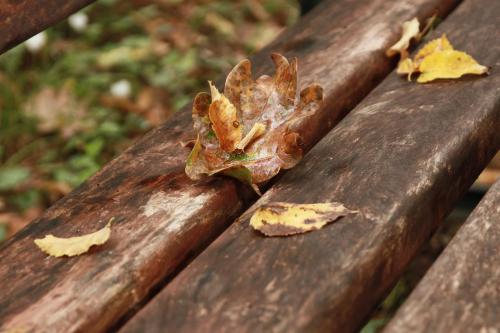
<point x="247" y="132"/>
<point x="439" y="44"/>
<point x="73" y="246"/>
<point x="224" y="118"/>
<point x="124" y="54"/>
<point x="448" y="64"/>
<point x="408" y="66"/>
<point x="284" y="219"/>
<point x="151" y="104"/>
<point x="439" y="60"/>
<point x="411" y="29"/>
<point x="58" y="110"/>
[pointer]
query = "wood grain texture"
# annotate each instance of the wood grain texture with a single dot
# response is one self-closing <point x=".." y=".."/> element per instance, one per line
<point x="460" y="292"/>
<point x="162" y="218"/>
<point x="402" y="158"/>
<point x="21" y="19"/>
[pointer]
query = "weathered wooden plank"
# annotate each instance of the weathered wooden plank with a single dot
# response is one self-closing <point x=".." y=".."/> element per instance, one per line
<point x="401" y="158"/>
<point x="460" y="292"/>
<point x="163" y="218"/>
<point x="21" y="19"/>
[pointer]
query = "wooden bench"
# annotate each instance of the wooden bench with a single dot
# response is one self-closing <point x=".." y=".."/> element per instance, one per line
<point x="402" y="157"/>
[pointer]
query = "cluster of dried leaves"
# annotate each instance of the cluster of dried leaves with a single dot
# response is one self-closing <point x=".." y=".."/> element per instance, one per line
<point x="248" y="131"/>
<point x="436" y="60"/>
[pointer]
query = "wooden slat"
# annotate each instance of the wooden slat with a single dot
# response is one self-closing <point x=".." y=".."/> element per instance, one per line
<point x="495" y="162"/>
<point x="401" y="158"/>
<point x="163" y="218"/>
<point x="461" y="291"/>
<point x="21" y="19"/>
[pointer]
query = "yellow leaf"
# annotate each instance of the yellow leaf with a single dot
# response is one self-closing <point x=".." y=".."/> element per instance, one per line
<point x="406" y="66"/>
<point x="448" y="64"/>
<point x="411" y="30"/>
<point x="225" y="122"/>
<point x="73" y="246"/>
<point x="438" y="44"/>
<point x="283" y="219"/>
<point x="257" y="130"/>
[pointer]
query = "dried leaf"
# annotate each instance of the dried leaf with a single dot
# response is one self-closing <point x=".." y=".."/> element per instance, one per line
<point x="248" y="132"/>
<point x="406" y="66"/>
<point x="224" y="119"/>
<point x="58" y="110"/>
<point x="438" y="44"/>
<point x="257" y="130"/>
<point x="448" y="64"/>
<point x="73" y="246"/>
<point x="439" y="60"/>
<point x="191" y="162"/>
<point x="284" y="219"/>
<point x="411" y="29"/>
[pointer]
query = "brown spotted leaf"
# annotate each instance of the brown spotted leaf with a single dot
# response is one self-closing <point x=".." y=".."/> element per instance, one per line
<point x="284" y="219"/>
<point x="248" y="132"/>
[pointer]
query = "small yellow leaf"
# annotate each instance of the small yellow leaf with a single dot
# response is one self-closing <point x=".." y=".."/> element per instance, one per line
<point x="257" y="130"/>
<point x="73" y="246"/>
<point x="411" y="29"/>
<point x="225" y="122"/>
<point x="438" y="44"/>
<point x="406" y="66"/>
<point x="283" y="219"/>
<point x="448" y="64"/>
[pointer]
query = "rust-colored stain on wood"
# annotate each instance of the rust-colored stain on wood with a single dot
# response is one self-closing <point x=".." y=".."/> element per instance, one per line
<point x="402" y="158"/>
<point x="163" y="219"/>
<point x="21" y="19"/>
<point x="461" y="292"/>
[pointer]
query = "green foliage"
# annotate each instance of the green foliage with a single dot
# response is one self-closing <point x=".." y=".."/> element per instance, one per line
<point x="10" y="177"/>
<point x="24" y="200"/>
